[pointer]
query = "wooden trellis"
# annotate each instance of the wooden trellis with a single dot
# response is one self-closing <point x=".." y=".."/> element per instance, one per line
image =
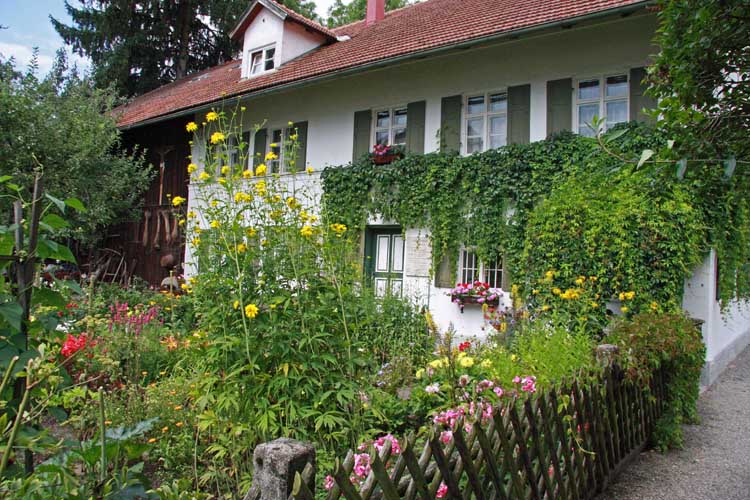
<point x="567" y="442"/>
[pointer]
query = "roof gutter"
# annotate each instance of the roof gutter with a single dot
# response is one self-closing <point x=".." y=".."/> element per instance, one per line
<point x="508" y="35"/>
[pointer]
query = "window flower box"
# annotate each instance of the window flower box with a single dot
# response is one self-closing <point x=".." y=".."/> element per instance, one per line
<point x="383" y="155"/>
<point x="477" y="292"/>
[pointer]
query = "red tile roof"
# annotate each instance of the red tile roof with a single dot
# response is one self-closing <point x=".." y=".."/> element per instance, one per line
<point x="249" y="15"/>
<point x="427" y="25"/>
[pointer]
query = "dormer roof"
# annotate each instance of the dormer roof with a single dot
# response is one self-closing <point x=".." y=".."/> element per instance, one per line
<point x="284" y="13"/>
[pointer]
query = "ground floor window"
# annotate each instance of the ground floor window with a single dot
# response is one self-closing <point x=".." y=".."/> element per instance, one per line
<point x="470" y="269"/>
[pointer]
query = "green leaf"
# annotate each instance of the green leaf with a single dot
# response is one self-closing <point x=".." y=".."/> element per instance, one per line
<point x="47" y="297"/>
<point x="54" y="221"/>
<point x="645" y="155"/>
<point x="48" y="249"/>
<point x="615" y="135"/>
<point x="6" y="244"/>
<point x="57" y="201"/>
<point x="75" y="203"/>
<point x="5" y="178"/>
<point x="11" y="313"/>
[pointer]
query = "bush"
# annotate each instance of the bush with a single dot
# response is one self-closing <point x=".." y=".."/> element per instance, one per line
<point x="672" y="341"/>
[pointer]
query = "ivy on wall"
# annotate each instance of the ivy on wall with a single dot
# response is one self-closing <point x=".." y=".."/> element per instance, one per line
<point x="564" y="203"/>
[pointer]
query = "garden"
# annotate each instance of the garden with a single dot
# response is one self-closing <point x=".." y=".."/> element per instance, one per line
<point x="114" y="391"/>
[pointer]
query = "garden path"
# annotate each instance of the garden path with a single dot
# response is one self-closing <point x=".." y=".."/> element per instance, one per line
<point x="715" y="463"/>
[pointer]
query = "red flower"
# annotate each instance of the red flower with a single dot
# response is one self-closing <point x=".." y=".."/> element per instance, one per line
<point x="74" y="344"/>
<point x="464" y="345"/>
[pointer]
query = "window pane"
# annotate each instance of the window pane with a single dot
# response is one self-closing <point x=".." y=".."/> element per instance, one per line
<point x="474" y="145"/>
<point x="586" y="114"/>
<point x="383" y="119"/>
<point x="617" y="112"/>
<point x="617" y="86"/>
<point x="399" y="116"/>
<point x="498" y="125"/>
<point x="476" y="105"/>
<point x="381" y="137"/>
<point x="475" y="127"/>
<point x="382" y="257"/>
<point x="397" y="256"/>
<point x="256" y="62"/>
<point x="468" y="266"/>
<point x="269" y="58"/>
<point x="498" y="102"/>
<point x="399" y="136"/>
<point x="588" y="89"/>
<point x="493" y="273"/>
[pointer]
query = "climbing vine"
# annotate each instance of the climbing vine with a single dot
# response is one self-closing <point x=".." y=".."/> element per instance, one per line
<point x="570" y="203"/>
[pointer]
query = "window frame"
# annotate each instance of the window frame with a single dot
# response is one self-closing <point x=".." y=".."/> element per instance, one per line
<point x="264" y="60"/>
<point x="375" y="129"/>
<point x="279" y="149"/>
<point x="481" y="268"/>
<point x="602" y="100"/>
<point x="486" y="115"/>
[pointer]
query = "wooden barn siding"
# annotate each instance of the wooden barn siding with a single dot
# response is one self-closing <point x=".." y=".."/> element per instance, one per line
<point x="144" y="260"/>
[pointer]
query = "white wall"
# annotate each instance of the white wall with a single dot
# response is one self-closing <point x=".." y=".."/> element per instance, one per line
<point x="329" y="109"/>
<point x="266" y="28"/>
<point x="726" y="331"/>
<point x="297" y="40"/>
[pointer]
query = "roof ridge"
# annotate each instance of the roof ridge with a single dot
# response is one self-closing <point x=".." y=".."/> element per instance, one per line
<point x="305" y="19"/>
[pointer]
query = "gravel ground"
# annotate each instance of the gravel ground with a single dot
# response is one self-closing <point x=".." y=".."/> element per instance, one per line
<point x="715" y="463"/>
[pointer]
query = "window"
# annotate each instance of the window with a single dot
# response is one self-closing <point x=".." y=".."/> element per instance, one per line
<point x="276" y="146"/>
<point x="390" y="127"/>
<point x="262" y="60"/>
<point x="603" y="97"/>
<point x="471" y="269"/>
<point x="485" y="122"/>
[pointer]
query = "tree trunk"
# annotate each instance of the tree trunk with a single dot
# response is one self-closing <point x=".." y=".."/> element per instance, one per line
<point x="184" y="20"/>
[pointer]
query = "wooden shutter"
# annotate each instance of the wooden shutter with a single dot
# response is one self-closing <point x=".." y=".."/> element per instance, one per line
<point x="505" y="282"/>
<point x="444" y="274"/>
<point x="638" y="99"/>
<point x="300" y="128"/>
<point x="559" y="105"/>
<point x="259" y="146"/>
<point x="362" y="124"/>
<point x="415" y="112"/>
<point x="450" y="123"/>
<point x="519" y="118"/>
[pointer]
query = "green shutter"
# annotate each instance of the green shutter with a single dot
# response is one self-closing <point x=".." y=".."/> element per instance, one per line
<point x="450" y="123"/>
<point x="519" y="118"/>
<point x="638" y="100"/>
<point x="259" y="146"/>
<point x="505" y="281"/>
<point x="299" y="128"/>
<point x="559" y="105"/>
<point x="415" y="112"/>
<point x="362" y="123"/>
<point x="444" y="274"/>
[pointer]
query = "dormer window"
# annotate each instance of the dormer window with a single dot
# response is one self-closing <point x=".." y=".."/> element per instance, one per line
<point x="262" y="60"/>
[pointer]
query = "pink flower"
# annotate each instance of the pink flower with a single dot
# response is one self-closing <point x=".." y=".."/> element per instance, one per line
<point x="446" y="436"/>
<point x="463" y="380"/>
<point x="442" y="490"/>
<point x="498" y="392"/>
<point x="329" y="482"/>
<point x="380" y="442"/>
<point x="362" y="465"/>
<point x="516" y="379"/>
<point x="484" y="385"/>
<point x="432" y="388"/>
<point x="529" y="384"/>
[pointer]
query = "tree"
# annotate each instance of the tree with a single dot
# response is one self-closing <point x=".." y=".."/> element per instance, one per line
<point x="701" y="75"/>
<point x="341" y="13"/>
<point x="62" y="127"/>
<point x="141" y="45"/>
<point x="304" y="7"/>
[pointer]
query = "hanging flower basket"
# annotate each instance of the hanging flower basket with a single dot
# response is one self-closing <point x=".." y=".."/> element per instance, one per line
<point x="477" y="292"/>
<point x="383" y="155"/>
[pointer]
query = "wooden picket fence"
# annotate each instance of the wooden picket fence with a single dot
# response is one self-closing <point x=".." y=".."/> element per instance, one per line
<point x="567" y="442"/>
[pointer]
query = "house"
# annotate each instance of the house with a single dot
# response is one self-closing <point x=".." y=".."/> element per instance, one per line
<point x="442" y="74"/>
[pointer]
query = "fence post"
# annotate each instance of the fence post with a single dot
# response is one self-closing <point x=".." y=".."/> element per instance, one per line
<point x="605" y="354"/>
<point x="275" y="464"/>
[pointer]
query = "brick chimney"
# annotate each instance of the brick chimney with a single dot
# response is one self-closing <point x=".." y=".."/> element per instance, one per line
<point x="375" y="11"/>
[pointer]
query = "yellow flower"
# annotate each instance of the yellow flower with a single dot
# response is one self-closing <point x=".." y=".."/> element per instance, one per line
<point x="593" y="278"/>
<point x="292" y="203"/>
<point x="629" y="295"/>
<point x="260" y="188"/>
<point x="580" y="280"/>
<point x="485" y="363"/>
<point x="274" y="145"/>
<point x="178" y="424"/>
<point x="214" y="203"/>
<point x="178" y="408"/>
<point x="251" y="311"/>
<point x="192" y="167"/>
<point x="152" y="440"/>
<point x="203" y="176"/>
<point x="222" y="180"/>
<point x="250" y="232"/>
<point x="466" y="362"/>
<point x="513" y="358"/>
<point x="270" y="156"/>
<point x="191" y="127"/>
<point x="306" y="231"/>
<point x="225" y="170"/>
<point x="419" y="373"/>
<point x="309" y="170"/>
<point x="594" y="305"/>
<point x="556" y="291"/>
<point x="241" y="248"/>
<point x="293" y="137"/>
<point x="236" y="304"/>
<point x="217" y="137"/>
<point x="247" y="174"/>
<point x="545" y="307"/>
<point x="178" y="200"/>
<point x="164" y="429"/>
<point x="260" y="169"/>
<point x="196" y="242"/>
<point x="276" y="198"/>
<point x="625" y="309"/>
<point x="215" y="224"/>
<point x="439" y="363"/>
<point x="212" y="116"/>
<point x="290" y="123"/>
<point x="243" y="108"/>
<point x="339" y="229"/>
<point x="241" y="197"/>
<point x="654" y="306"/>
<point x="549" y="275"/>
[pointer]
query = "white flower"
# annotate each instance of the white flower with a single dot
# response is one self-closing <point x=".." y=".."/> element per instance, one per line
<point x="432" y="388"/>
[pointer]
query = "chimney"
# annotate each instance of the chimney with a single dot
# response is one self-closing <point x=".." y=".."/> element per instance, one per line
<point x="375" y="11"/>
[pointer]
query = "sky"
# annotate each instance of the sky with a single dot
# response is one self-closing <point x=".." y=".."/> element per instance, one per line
<point x="28" y="26"/>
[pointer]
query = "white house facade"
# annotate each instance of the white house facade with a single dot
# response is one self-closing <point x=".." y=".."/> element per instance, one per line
<point x="471" y="95"/>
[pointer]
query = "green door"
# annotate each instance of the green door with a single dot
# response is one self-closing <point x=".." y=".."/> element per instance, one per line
<point x="384" y="259"/>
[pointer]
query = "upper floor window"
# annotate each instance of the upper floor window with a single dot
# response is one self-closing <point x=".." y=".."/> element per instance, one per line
<point x="262" y="60"/>
<point x="485" y="122"/>
<point x="390" y="126"/>
<point x="602" y="97"/>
